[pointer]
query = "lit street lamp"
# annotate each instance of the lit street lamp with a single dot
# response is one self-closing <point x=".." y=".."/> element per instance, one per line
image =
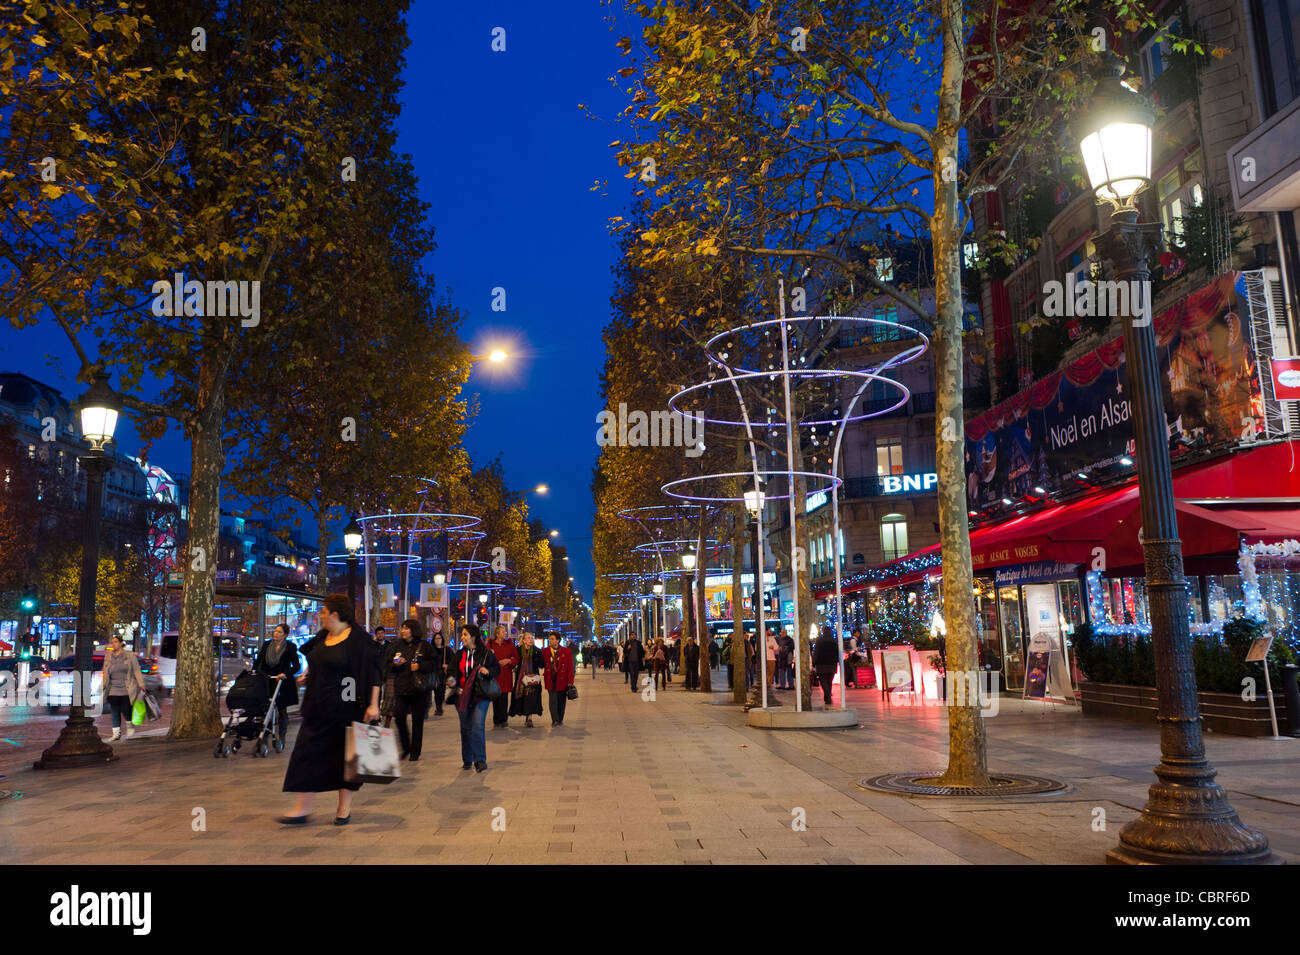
<point x="78" y="743"/>
<point x="352" y="539"/>
<point x="1187" y="817"/>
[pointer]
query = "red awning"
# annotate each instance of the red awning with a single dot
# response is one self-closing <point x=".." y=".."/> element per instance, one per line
<point x="1111" y="519"/>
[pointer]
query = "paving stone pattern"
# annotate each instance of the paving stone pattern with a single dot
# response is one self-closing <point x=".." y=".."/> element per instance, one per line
<point x="673" y="781"/>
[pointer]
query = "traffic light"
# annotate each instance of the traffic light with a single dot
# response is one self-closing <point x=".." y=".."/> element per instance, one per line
<point x="30" y="602"/>
<point x="25" y="647"/>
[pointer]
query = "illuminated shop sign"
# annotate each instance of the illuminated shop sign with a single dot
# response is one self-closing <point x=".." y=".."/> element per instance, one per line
<point x="903" y="483"/>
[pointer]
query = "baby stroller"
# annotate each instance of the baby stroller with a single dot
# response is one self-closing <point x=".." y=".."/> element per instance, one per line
<point x="252" y="698"/>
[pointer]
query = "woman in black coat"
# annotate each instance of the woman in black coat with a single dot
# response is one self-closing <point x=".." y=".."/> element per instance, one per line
<point x="443" y="658"/>
<point x="526" y="699"/>
<point x="279" y="659"/>
<point x="342" y="688"/>
<point x="474" y="660"/>
<point x="408" y="663"/>
<point x="826" y="661"/>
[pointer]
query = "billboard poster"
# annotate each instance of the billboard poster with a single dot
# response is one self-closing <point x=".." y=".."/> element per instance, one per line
<point x="717" y="602"/>
<point x="1079" y="417"/>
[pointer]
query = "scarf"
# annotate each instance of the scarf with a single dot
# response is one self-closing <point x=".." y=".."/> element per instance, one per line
<point x="272" y="654"/>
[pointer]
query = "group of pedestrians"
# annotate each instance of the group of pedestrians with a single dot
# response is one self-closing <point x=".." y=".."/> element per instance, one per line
<point x="634" y="656"/>
<point x="347" y="670"/>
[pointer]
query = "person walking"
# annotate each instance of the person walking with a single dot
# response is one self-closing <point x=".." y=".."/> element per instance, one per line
<point x="279" y="660"/>
<point x="341" y="688"/>
<point x="507" y="655"/>
<point x="825" y="661"/>
<point x="122" y="685"/>
<point x="786" y="643"/>
<point x="692" y="655"/>
<point x="443" y="660"/>
<point x="558" y="676"/>
<point x="773" y="650"/>
<point x="633" y="657"/>
<point x="713" y="655"/>
<point x="474" y="660"/>
<point x="659" y="660"/>
<point x="408" y="662"/>
<point x="618" y="653"/>
<point x="526" y="700"/>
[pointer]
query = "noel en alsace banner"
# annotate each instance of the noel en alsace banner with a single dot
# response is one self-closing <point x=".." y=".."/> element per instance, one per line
<point x="1079" y="417"/>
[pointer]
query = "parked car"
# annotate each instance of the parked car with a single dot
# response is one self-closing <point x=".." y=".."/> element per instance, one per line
<point x="8" y="669"/>
<point x="56" y="682"/>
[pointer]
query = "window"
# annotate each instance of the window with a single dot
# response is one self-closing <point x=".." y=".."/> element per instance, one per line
<point x="970" y="252"/>
<point x="1277" y="47"/>
<point x="1176" y="191"/>
<point x="884" y="269"/>
<point x="893" y="536"/>
<point x="889" y="456"/>
<point x="1155" y="55"/>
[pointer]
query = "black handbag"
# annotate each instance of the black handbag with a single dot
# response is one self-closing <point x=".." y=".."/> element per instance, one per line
<point x="418" y="677"/>
<point x="571" y="692"/>
<point x="488" y="688"/>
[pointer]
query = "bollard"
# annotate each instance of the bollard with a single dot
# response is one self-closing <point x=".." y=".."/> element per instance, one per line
<point x="1292" y="695"/>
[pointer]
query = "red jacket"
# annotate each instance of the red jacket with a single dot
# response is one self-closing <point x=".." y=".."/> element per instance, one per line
<point x="560" y="676"/>
<point x="507" y="655"/>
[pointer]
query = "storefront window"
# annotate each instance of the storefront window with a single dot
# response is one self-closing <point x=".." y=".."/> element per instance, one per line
<point x="1013" y="650"/>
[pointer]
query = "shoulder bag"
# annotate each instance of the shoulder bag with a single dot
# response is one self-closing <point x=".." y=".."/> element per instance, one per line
<point x="488" y="688"/>
<point x="418" y="677"/>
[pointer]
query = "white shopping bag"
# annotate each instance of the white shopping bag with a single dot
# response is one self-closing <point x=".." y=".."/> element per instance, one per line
<point x="371" y="754"/>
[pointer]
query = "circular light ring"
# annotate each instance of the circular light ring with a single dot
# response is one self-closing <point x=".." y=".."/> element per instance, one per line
<point x="645" y="513"/>
<point x="437" y="565"/>
<point x="655" y="546"/>
<point x="671" y="487"/>
<point x="525" y="592"/>
<point x="475" y="587"/>
<point x="469" y="520"/>
<point x="381" y="560"/>
<point x="807" y="373"/>
<point x="767" y="324"/>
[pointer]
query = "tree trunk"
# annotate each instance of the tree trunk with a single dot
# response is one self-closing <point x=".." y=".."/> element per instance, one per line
<point x="739" y="690"/>
<point x="967" y="756"/>
<point x="195" y="713"/>
<point x="322" y="550"/>
<point x="701" y="610"/>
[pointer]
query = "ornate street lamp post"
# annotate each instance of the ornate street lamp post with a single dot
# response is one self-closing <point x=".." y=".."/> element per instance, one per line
<point x="1187" y="818"/>
<point x="352" y="539"/>
<point x="78" y="743"/>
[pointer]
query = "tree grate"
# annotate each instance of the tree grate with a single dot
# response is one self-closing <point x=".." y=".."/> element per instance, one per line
<point x="923" y="784"/>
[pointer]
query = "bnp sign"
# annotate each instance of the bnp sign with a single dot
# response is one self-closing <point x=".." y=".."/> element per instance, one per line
<point x="905" y="483"/>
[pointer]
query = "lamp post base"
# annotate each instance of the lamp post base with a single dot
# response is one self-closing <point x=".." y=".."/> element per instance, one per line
<point x="1184" y="825"/>
<point x="79" y="744"/>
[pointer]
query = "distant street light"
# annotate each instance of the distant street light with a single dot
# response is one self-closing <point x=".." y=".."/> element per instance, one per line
<point x="78" y="743"/>
<point x="497" y="356"/>
<point x="688" y="560"/>
<point x="555" y="533"/>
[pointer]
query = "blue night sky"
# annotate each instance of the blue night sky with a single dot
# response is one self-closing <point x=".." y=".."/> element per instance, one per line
<point x="506" y="160"/>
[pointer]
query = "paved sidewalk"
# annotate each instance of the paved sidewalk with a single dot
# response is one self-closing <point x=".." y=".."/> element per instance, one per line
<point x="676" y="780"/>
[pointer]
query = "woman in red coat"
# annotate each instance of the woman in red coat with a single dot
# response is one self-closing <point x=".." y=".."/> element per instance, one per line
<point x="507" y="655"/>
<point x="558" y="676"/>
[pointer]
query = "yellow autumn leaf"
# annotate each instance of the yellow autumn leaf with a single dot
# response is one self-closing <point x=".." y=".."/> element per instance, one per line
<point x="40" y="40"/>
<point x="51" y="191"/>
